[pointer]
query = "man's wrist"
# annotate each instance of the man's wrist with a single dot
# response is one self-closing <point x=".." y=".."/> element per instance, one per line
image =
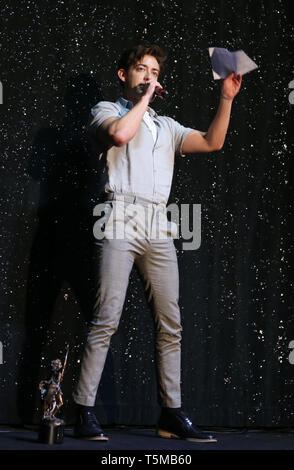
<point x="145" y="99"/>
<point x="226" y="97"/>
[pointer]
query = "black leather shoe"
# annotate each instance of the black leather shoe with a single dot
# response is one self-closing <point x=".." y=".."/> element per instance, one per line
<point x="87" y="426"/>
<point x="175" y="423"/>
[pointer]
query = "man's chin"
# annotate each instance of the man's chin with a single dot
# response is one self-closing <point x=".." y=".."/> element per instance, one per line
<point x="141" y="89"/>
<point x="136" y="93"/>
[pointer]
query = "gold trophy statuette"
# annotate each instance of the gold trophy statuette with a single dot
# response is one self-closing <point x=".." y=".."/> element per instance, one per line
<point x="52" y="428"/>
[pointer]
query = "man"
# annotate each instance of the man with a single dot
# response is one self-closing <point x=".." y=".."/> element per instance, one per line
<point x="137" y="148"/>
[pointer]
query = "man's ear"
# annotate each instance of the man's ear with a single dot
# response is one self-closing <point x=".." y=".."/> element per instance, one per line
<point x="121" y="74"/>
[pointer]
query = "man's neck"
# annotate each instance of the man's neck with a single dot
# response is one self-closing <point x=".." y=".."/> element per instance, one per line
<point x="132" y="99"/>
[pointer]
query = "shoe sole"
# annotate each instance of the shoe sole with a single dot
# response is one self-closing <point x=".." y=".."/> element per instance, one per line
<point x="169" y="435"/>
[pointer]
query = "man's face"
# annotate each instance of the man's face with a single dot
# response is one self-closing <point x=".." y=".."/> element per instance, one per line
<point x="145" y="70"/>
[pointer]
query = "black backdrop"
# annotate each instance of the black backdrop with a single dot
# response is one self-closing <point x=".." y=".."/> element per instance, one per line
<point x="57" y="60"/>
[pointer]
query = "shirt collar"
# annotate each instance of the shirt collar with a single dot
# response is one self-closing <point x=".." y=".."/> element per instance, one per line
<point x="125" y="103"/>
<point x="128" y="105"/>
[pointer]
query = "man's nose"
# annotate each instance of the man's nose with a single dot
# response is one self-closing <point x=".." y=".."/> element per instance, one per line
<point x="147" y="76"/>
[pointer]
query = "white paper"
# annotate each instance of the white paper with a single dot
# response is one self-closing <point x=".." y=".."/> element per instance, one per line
<point x="224" y="62"/>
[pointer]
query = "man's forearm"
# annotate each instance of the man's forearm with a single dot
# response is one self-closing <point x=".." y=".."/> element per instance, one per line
<point x="217" y="130"/>
<point x="123" y="130"/>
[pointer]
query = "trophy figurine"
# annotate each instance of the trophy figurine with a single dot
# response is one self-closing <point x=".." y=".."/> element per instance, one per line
<point x="52" y="428"/>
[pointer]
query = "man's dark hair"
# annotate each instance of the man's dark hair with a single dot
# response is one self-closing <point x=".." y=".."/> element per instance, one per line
<point x="131" y="56"/>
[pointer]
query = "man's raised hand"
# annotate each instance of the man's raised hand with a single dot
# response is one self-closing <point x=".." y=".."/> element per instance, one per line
<point x="231" y="86"/>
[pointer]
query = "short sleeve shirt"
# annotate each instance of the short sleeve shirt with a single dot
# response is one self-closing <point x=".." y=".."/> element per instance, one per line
<point x="144" y="166"/>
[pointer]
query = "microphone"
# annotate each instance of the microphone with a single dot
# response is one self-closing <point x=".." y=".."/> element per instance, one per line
<point x="161" y="92"/>
<point x="142" y="88"/>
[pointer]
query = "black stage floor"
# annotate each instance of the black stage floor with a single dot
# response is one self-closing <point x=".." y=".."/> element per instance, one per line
<point x="124" y="441"/>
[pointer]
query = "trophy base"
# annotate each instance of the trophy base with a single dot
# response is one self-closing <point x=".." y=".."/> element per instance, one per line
<point x="51" y="432"/>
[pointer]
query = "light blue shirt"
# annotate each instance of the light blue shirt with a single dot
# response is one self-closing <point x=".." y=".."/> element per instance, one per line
<point x="143" y="167"/>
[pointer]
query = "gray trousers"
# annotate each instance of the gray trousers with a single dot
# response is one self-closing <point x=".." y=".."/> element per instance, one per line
<point x="157" y="262"/>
